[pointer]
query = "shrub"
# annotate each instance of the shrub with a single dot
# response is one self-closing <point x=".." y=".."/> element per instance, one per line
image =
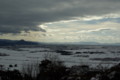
<point x="3" y="54"/>
<point x="51" y="70"/>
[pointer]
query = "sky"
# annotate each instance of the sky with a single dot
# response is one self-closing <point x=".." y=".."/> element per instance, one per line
<point x="60" y="20"/>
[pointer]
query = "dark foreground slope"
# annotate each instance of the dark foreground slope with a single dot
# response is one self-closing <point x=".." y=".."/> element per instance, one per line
<point x="49" y="70"/>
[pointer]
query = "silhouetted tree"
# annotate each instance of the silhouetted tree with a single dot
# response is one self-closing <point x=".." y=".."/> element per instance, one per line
<point x="51" y="71"/>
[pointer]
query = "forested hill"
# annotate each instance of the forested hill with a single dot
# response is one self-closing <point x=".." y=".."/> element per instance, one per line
<point x="5" y="42"/>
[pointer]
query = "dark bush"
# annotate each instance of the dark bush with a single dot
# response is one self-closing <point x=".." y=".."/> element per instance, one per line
<point x="64" y="52"/>
<point x="3" y="54"/>
<point x="51" y="70"/>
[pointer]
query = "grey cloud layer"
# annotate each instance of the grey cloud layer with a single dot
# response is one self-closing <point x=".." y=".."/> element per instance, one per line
<point x="25" y="15"/>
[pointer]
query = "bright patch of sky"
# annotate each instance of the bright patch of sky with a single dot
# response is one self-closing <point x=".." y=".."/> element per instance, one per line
<point x="97" y="29"/>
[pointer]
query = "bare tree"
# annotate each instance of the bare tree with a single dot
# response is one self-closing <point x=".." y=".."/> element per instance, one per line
<point x="30" y="69"/>
<point x="51" y="57"/>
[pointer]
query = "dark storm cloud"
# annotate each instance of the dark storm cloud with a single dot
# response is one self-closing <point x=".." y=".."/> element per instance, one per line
<point x="25" y="15"/>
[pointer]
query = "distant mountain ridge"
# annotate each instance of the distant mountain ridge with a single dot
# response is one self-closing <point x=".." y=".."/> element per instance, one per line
<point x="5" y="42"/>
<point x="96" y="43"/>
<point x="88" y="43"/>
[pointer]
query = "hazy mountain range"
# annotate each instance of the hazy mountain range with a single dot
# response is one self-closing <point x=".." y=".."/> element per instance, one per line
<point x="5" y="42"/>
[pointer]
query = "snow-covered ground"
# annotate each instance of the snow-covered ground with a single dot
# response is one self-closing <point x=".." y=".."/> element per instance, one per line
<point x="90" y="55"/>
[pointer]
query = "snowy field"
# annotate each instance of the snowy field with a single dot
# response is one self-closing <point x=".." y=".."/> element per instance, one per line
<point x="88" y="55"/>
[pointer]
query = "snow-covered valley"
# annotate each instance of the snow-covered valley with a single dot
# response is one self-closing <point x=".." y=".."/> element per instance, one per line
<point x="88" y="55"/>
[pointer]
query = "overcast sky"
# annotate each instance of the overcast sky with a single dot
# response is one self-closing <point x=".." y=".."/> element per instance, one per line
<point x="60" y="20"/>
